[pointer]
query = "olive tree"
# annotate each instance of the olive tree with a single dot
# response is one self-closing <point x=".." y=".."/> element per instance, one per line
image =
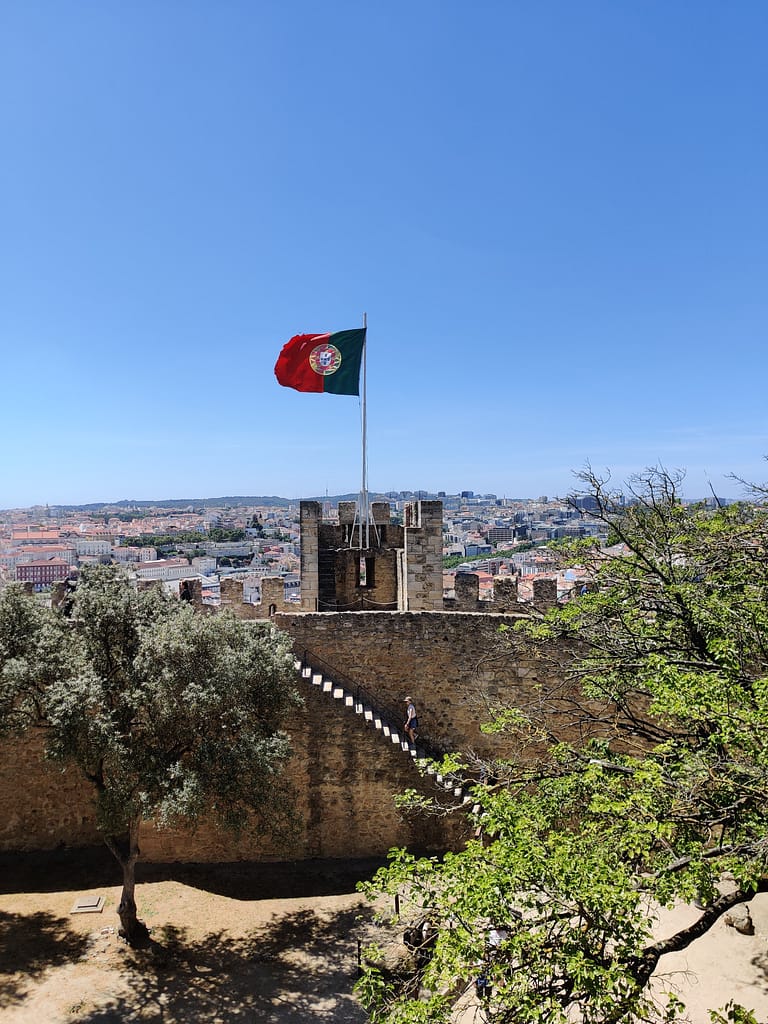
<point x="640" y="781"/>
<point x="169" y="715"/>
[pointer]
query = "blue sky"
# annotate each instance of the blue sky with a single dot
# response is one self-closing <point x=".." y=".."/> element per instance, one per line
<point x="554" y="214"/>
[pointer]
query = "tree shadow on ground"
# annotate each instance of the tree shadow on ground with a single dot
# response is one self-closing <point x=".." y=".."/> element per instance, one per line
<point x="94" y="867"/>
<point x="297" y="967"/>
<point x="760" y="963"/>
<point x="29" y="945"/>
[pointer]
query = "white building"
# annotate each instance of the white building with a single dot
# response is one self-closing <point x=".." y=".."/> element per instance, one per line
<point x="204" y="565"/>
<point x="92" y="548"/>
<point x="166" y="569"/>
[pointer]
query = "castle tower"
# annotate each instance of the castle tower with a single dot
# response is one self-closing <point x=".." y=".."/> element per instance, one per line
<point x="424" y="556"/>
<point x="401" y="570"/>
<point x="309" y="525"/>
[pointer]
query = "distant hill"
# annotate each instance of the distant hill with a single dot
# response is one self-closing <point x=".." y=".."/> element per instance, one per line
<point x="230" y="501"/>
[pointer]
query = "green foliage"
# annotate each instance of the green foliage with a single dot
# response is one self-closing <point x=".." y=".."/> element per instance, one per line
<point x="451" y="561"/>
<point x="169" y="540"/>
<point x="219" y="534"/>
<point x="663" y="793"/>
<point x="412" y="800"/>
<point x="168" y="714"/>
<point x="129" y="517"/>
<point x="732" y="1013"/>
<point x="32" y="656"/>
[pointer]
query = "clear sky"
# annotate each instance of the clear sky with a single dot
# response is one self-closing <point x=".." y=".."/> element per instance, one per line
<point x="554" y="212"/>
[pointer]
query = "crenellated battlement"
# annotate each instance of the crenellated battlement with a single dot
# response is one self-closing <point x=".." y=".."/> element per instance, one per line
<point x="505" y="596"/>
<point x="388" y="567"/>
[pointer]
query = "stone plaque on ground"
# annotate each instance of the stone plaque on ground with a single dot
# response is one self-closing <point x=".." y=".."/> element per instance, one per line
<point x="88" y="905"/>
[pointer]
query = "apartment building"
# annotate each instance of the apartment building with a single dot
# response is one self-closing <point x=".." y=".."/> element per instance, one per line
<point x="166" y="569"/>
<point x="43" y="572"/>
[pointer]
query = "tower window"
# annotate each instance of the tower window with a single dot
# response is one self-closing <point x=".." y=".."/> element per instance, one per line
<point x="366" y="572"/>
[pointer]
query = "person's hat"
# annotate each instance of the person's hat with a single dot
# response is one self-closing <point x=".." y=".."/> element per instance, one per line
<point x="407" y="698"/>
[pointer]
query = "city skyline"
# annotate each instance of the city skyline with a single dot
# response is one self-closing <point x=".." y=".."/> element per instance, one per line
<point x="553" y="215"/>
<point x="277" y="501"/>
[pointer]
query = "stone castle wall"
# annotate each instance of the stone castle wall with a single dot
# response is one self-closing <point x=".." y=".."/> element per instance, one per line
<point x="448" y="655"/>
<point x="467" y="598"/>
<point x="450" y="663"/>
<point x="344" y="774"/>
<point x="403" y="563"/>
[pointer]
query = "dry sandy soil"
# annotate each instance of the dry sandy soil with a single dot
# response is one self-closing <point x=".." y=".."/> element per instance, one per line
<point x="244" y="943"/>
<point x="273" y="944"/>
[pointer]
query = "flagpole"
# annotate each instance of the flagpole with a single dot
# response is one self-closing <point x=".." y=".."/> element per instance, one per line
<point x="365" y="510"/>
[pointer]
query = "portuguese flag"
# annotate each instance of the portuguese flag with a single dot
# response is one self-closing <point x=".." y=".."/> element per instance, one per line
<point x="322" y="362"/>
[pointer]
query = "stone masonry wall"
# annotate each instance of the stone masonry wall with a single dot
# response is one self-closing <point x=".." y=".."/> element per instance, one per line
<point x="505" y="598"/>
<point x="310" y="527"/>
<point x="424" y="555"/>
<point x="450" y="663"/>
<point x="408" y="559"/>
<point x="345" y="774"/>
<point x="467" y="599"/>
<point x="272" y="598"/>
<point x="41" y="806"/>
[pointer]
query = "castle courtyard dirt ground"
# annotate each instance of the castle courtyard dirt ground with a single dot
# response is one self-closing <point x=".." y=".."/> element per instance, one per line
<point x="253" y="944"/>
<point x="230" y="943"/>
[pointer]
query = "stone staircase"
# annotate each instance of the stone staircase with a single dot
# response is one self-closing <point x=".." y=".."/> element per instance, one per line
<point x="358" y="702"/>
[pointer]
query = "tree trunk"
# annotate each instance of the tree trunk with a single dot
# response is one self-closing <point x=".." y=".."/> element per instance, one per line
<point x="126" y="851"/>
